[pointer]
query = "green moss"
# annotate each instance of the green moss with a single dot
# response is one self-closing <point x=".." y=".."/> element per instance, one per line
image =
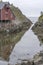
<point x="8" y="39"/>
<point x="40" y="19"/>
<point x="18" y="36"/>
<point x="7" y="42"/>
<point x="18" y="14"/>
<point x="38" y="28"/>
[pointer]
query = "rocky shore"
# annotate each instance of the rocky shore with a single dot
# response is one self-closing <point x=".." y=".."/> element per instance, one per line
<point x="38" y="28"/>
<point x="11" y="32"/>
<point x="37" y="60"/>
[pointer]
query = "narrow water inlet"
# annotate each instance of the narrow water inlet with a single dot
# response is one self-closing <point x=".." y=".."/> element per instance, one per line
<point x="26" y="48"/>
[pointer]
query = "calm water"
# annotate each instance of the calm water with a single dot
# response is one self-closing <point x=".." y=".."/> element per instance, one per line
<point x="26" y="48"/>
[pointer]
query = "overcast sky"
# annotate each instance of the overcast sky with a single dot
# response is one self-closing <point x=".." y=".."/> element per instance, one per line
<point x="29" y="7"/>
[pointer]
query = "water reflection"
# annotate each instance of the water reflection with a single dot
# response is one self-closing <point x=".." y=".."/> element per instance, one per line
<point x="26" y="48"/>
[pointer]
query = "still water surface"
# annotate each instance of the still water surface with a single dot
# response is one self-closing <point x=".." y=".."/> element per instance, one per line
<point x="26" y="48"/>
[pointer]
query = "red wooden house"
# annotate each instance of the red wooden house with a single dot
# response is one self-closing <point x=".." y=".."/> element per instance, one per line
<point x="5" y="12"/>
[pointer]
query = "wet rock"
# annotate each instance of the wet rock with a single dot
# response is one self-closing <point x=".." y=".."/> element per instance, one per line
<point x="39" y="60"/>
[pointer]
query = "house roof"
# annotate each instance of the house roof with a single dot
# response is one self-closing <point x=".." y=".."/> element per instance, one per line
<point x="2" y="4"/>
